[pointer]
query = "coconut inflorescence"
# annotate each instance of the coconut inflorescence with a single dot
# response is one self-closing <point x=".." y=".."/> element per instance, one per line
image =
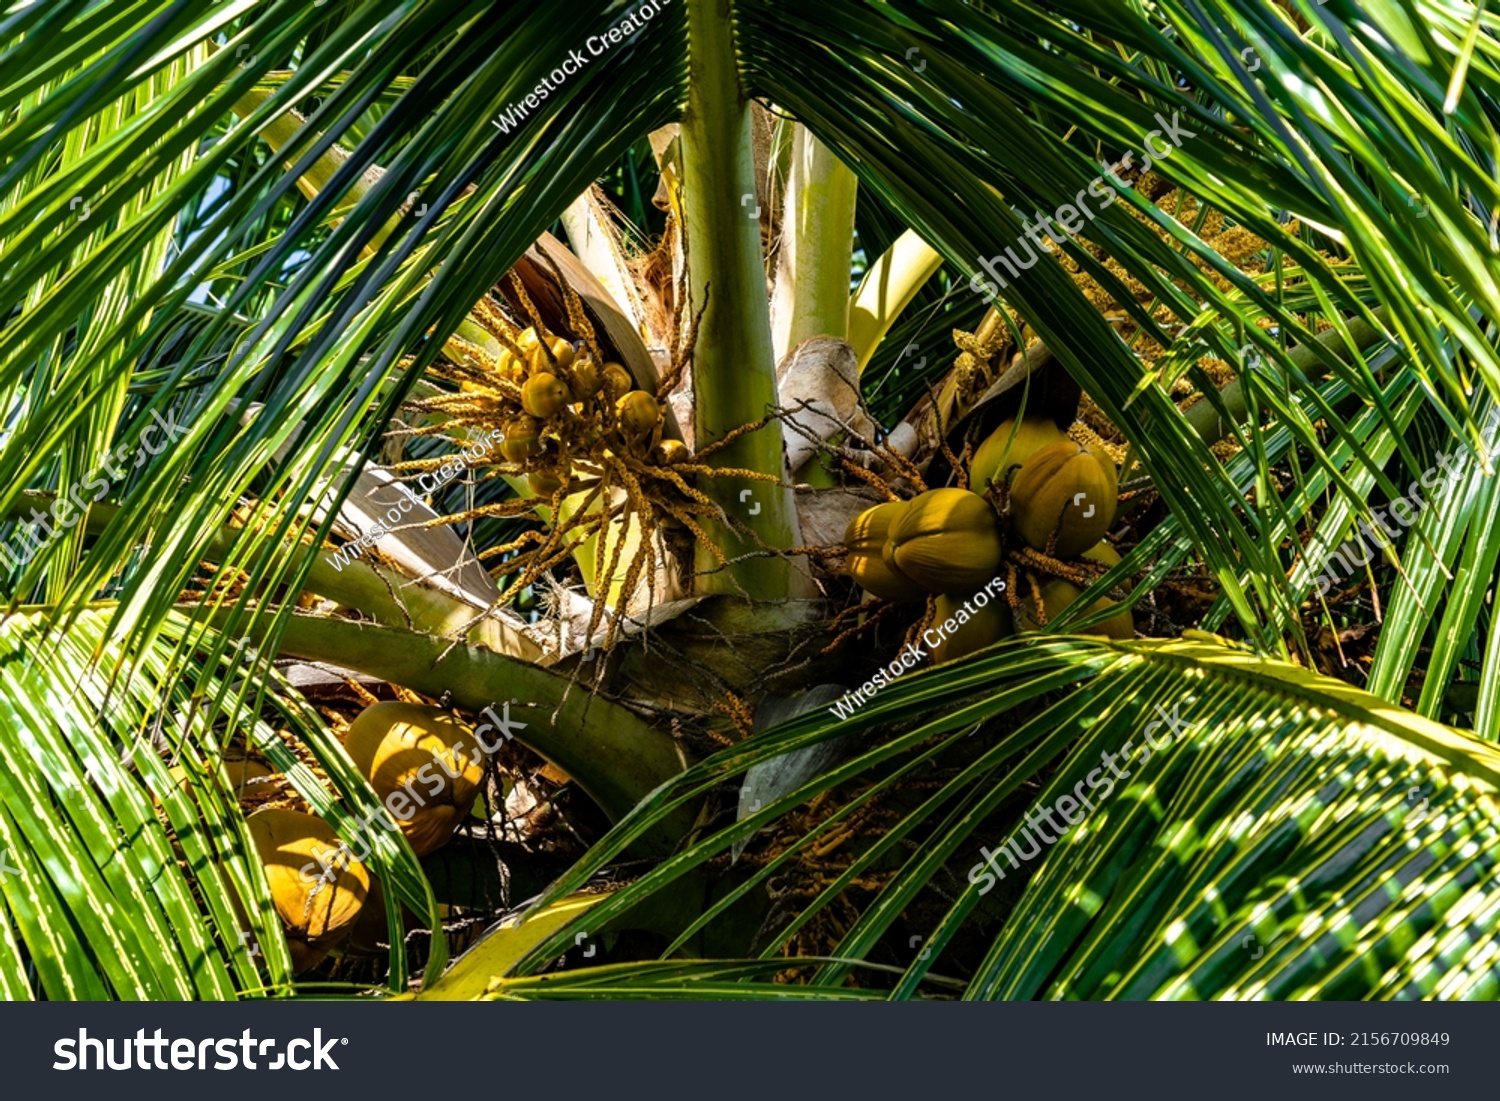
<point x="585" y="444"/>
<point x="560" y="407"/>
<point x="564" y="409"/>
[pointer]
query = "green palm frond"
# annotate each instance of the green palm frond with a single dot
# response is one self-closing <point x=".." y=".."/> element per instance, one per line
<point x="716" y="980"/>
<point x="123" y="880"/>
<point x="983" y="107"/>
<point x="1291" y="813"/>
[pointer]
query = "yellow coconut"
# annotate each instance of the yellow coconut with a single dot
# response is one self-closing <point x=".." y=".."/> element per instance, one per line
<point x="638" y="413"/>
<point x="424" y="765"/>
<point x="670" y="453"/>
<point x="511" y="368"/>
<point x="865" y="562"/>
<point x="1010" y="446"/>
<point x="251" y="782"/>
<point x="1066" y="490"/>
<point x="544" y="395"/>
<point x="1104" y="553"/>
<point x="319" y="889"/>
<point x="976" y="627"/>
<point x="562" y="355"/>
<point x="543" y="483"/>
<point x="585" y="378"/>
<point x="371" y="933"/>
<point x="617" y="381"/>
<point x="946" y="540"/>
<point x="1057" y="595"/>
<point x="522" y="438"/>
<point x="528" y="344"/>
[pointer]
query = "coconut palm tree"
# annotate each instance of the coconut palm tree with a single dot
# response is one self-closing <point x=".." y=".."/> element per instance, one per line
<point x="270" y="275"/>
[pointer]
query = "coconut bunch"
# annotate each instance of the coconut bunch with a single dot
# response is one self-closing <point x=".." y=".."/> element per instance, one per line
<point x="1061" y="497"/>
<point x="425" y="767"/>
<point x="1035" y="515"/>
<point x="317" y="909"/>
<point x="320" y="909"/>
<point x="1047" y="472"/>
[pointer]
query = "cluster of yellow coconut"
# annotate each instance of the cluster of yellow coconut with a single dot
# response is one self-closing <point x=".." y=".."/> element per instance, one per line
<point x="426" y="768"/>
<point x="557" y="385"/>
<point x="1057" y="496"/>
